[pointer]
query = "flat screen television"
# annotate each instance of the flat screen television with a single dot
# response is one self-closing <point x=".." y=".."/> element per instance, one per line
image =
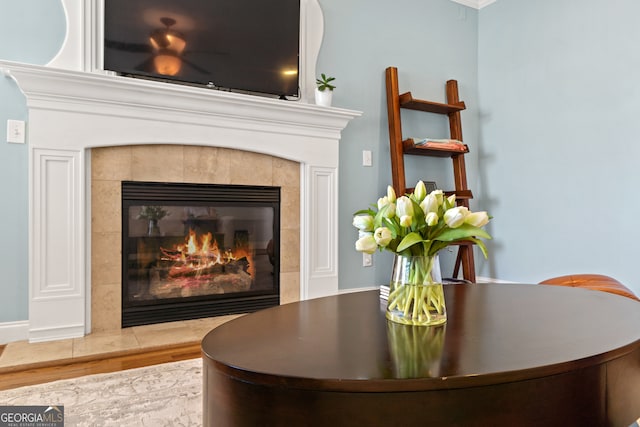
<point x="235" y="45"/>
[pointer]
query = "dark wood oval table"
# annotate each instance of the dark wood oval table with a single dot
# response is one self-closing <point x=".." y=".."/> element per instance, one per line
<point x="509" y="355"/>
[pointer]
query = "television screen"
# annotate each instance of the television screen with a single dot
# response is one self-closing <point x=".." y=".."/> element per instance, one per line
<point x="241" y="45"/>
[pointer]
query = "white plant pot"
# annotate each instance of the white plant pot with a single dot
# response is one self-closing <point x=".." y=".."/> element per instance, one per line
<point x="324" y="97"/>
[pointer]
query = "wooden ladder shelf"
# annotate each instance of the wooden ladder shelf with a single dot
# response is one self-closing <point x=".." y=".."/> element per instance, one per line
<point x="400" y="147"/>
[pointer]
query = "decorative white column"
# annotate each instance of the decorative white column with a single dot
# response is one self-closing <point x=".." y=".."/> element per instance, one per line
<point x="56" y="245"/>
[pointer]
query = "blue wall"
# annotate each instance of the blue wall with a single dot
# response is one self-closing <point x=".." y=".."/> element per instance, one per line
<point x="559" y="100"/>
<point x="430" y="41"/>
<point x="552" y="91"/>
<point x="34" y="38"/>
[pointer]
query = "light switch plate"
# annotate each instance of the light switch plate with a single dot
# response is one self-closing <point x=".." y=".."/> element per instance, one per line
<point x="367" y="259"/>
<point x="366" y="158"/>
<point x="15" y="131"/>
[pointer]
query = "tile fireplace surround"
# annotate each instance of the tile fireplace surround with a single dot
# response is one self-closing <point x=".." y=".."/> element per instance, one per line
<point x="72" y="113"/>
<point x="178" y="163"/>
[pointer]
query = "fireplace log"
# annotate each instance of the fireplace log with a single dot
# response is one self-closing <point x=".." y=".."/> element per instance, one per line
<point x="233" y="266"/>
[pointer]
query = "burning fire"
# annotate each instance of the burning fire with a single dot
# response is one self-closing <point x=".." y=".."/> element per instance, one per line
<point x="202" y="256"/>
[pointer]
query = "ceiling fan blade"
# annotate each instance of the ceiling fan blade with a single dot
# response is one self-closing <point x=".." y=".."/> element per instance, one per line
<point x="146" y="66"/>
<point x="127" y="47"/>
<point x="195" y="67"/>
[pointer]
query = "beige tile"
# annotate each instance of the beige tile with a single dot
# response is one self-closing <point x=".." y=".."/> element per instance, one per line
<point x="289" y="287"/>
<point x="111" y="163"/>
<point x="286" y="173"/>
<point x="23" y="352"/>
<point x="223" y="165"/>
<point x="106" y="311"/>
<point x="202" y="327"/>
<point x="164" y="334"/>
<point x="106" y="204"/>
<point x="289" y="251"/>
<point x="205" y="165"/>
<point x="161" y="326"/>
<point x="157" y="163"/>
<point x="250" y="168"/>
<point x="106" y="258"/>
<point x="290" y="208"/>
<point x="105" y="342"/>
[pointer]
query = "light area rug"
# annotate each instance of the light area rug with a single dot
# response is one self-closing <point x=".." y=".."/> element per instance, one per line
<point x="168" y="394"/>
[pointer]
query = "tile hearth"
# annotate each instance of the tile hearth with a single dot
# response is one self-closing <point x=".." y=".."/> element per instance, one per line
<point x="21" y="354"/>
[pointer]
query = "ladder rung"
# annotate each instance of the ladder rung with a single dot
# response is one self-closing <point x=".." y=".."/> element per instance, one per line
<point x="460" y="194"/>
<point x="407" y="101"/>
<point x="408" y="147"/>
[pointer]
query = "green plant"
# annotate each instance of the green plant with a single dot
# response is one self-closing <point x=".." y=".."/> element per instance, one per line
<point x="155" y="213"/>
<point x="324" y="83"/>
<point x="418" y="225"/>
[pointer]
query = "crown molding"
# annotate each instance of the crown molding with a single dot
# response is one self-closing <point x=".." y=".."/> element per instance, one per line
<point x="476" y="4"/>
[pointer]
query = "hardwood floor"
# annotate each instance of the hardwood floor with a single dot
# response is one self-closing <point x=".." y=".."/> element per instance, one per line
<point x="135" y="359"/>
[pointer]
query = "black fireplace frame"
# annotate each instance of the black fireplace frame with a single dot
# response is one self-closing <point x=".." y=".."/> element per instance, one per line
<point x="211" y="195"/>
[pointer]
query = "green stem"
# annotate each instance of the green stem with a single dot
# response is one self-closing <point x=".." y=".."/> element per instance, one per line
<point x="418" y="300"/>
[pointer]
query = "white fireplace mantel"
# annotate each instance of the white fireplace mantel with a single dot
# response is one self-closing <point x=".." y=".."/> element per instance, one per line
<point x="73" y="111"/>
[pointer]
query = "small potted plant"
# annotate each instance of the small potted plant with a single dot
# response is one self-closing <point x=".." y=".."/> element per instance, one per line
<point x="153" y="214"/>
<point x="324" y="90"/>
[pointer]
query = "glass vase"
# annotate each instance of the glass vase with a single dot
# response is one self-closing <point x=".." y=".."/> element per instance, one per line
<point x="416" y="351"/>
<point x="154" y="229"/>
<point x="416" y="296"/>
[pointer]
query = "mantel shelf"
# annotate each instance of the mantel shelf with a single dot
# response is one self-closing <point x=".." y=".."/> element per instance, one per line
<point x="407" y="101"/>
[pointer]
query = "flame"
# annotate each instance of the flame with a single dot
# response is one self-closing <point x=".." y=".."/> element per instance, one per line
<point x="200" y="253"/>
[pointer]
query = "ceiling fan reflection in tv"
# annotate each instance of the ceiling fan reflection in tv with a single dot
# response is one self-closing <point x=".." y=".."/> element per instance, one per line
<point x="166" y="50"/>
<point x="234" y="45"/>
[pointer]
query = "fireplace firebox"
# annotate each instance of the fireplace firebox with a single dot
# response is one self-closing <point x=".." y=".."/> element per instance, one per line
<point x="198" y="250"/>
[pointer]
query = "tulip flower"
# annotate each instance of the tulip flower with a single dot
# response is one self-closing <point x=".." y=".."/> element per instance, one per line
<point x="405" y="220"/>
<point x="477" y="219"/>
<point x="367" y="244"/>
<point x="431" y="219"/>
<point x="363" y="222"/>
<point x="382" y="236"/>
<point x="439" y="195"/>
<point x="390" y="211"/>
<point x="404" y="210"/>
<point x="429" y="204"/>
<point x="398" y="226"/>
<point x="420" y="191"/>
<point x="404" y="206"/>
<point x="455" y="217"/>
<point x="450" y="202"/>
<point x="391" y="194"/>
<point x="383" y="201"/>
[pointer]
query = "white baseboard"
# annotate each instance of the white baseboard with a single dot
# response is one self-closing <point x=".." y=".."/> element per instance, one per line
<point x="14" y="331"/>
<point x="56" y="333"/>
<point x="365" y="288"/>
<point x="481" y="279"/>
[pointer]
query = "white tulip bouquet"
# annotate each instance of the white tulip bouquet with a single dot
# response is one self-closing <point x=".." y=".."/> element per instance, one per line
<point x="418" y="225"/>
